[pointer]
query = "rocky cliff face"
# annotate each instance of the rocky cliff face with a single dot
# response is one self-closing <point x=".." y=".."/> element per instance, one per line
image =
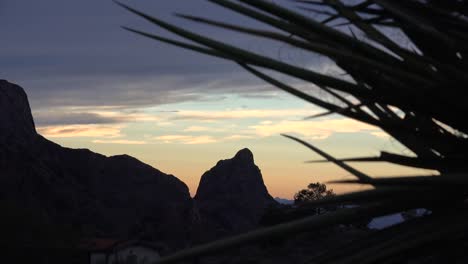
<point x="116" y="196"/>
<point x="231" y="196"/>
<point x="16" y="122"/>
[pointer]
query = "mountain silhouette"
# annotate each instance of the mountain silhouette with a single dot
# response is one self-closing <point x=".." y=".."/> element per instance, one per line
<point x="120" y="196"/>
<point x="232" y="196"/>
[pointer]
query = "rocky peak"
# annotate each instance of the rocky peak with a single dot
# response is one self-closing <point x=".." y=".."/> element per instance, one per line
<point x="16" y="121"/>
<point x="244" y="155"/>
<point x="233" y="193"/>
<point x="238" y="176"/>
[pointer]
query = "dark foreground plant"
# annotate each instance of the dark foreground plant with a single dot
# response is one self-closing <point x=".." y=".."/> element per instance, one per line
<point x="415" y="92"/>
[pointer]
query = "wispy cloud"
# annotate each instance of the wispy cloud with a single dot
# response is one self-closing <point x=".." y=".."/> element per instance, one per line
<point x="120" y="141"/>
<point x="85" y="116"/>
<point x="165" y="124"/>
<point x="207" y="129"/>
<point x="129" y="116"/>
<point x="69" y="131"/>
<point x="201" y="140"/>
<point x="49" y="118"/>
<point x="185" y="139"/>
<point x="138" y="90"/>
<point x="319" y="129"/>
<point x="238" y="137"/>
<point x="240" y="114"/>
<point x="197" y="129"/>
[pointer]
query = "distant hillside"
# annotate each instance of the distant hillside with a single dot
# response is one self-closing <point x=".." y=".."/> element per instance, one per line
<point x="284" y="201"/>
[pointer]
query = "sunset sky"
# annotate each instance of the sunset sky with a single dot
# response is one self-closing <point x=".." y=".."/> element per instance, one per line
<point x="93" y="85"/>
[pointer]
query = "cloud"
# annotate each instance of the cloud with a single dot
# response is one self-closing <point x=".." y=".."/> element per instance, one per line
<point x="241" y="114"/>
<point x="68" y="131"/>
<point x="266" y="122"/>
<point x="197" y="129"/>
<point x="165" y="124"/>
<point x="206" y="129"/>
<point x="125" y="116"/>
<point x="93" y="62"/>
<point x="200" y="140"/>
<point x="49" y="118"/>
<point x="170" y="138"/>
<point x="238" y="137"/>
<point x="112" y="91"/>
<point x="85" y="116"/>
<point x="320" y="129"/>
<point x="185" y="139"/>
<point x="129" y="91"/>
<point x="120" y="141"/>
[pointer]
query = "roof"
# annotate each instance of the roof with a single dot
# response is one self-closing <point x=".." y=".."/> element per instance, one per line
<point x="98" y="244"/>
<point x="147" y="244"/>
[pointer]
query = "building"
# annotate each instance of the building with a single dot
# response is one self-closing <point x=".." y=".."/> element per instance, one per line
<point x="108" y="251"/>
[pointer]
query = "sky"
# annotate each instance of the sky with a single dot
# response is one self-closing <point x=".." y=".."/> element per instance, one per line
<point x="93" y="85"/>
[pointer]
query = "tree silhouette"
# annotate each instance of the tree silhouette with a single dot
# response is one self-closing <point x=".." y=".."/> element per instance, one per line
<point x="314" y="192"/>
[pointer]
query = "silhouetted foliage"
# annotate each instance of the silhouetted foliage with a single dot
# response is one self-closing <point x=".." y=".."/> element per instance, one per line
<point x="314" y="192"/>
<point x="412" y="87"/>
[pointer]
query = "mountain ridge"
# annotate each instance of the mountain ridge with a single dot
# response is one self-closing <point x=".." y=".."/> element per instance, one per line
<point x="116" y="196"/>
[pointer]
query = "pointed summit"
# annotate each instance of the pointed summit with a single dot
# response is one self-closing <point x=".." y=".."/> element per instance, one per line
<point x="233" y="193"/>
<point x="244" y="155"/>
<point x="16" y="121"/>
